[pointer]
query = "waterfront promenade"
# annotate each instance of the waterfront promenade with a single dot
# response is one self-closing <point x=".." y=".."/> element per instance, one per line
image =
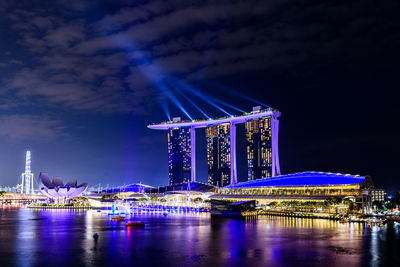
<point x="190" y="239"/>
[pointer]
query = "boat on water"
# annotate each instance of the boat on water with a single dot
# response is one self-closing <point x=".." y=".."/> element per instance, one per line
<point x="233" y="209"/>
<point x="376" y="222"/>
<point x="134" y="224"/>
<point x="118" y="218"/>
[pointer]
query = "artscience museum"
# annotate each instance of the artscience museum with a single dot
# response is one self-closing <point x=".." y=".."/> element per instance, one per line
<point x="55" y="189"/>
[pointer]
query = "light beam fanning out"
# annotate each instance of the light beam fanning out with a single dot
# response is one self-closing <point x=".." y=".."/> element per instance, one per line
<point x="227" y="105"/>
<point x="190" y="101"/>
<point x="232" y="91"/>
<point x="164" y="106"/>
<point x="175" y="100"/>
<point x="181" y="85"/>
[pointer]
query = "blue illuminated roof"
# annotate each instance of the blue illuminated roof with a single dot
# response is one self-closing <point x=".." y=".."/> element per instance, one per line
<point x="128" y="188"/>
<point x="191" y="186"/>
<point x="303" y="179"/>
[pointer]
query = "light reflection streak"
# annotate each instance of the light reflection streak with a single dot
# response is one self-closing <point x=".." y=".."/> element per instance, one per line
<point x="26" y="238"/>
<point x="374" y="245"/>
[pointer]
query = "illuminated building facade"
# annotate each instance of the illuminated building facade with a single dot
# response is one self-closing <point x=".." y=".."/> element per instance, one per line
<point x="179" y="155"/>
<point x="218" y="154"/>
<point x="56" y="190"/>
<point x="378" y="195"/>
<point x="303" y="186"/>
<point x="182" y="154"/>
<point x="259" y="148"/>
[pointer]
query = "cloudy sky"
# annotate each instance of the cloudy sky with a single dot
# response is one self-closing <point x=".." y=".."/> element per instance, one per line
<point x="81" y="80"/>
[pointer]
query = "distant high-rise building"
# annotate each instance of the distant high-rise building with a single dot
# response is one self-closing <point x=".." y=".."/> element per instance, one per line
<point x="179" y="155"/>
<point x="259" y="148"/>
<point x="27" y="176"/>
<point x="219" y="154"/>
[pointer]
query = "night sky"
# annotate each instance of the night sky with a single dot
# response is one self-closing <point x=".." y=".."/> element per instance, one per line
<point x="79" y="83"/>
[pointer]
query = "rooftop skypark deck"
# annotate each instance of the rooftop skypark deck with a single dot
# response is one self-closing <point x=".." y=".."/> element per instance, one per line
<point x="201" y="123"/>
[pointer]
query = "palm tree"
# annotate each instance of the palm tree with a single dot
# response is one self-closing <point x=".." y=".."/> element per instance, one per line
<point x="153" y="198"/>
<point x="347" y="202"/>
<point x="333" y="201"/>
<point x="197" y="200"/>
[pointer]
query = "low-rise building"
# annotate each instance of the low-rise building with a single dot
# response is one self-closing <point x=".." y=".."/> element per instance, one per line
<point x="304" y="186"/>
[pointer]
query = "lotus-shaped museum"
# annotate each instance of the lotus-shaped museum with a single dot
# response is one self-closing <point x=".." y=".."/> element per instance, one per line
<point x="56" y="189"/>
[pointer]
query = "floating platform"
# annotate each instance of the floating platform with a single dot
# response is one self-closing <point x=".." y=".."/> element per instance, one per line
<point x="135" y="224"/>
<point x="240" y="209"/>
<point x="118" y="218"/>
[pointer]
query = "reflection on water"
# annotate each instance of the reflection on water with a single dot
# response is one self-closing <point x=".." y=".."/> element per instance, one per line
<point x="65" y="237"/>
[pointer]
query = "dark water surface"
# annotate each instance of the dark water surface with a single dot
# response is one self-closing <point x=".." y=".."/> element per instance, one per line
<point x="65" y="238"/>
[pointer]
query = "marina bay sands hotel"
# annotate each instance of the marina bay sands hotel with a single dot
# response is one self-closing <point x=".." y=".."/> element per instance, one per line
<point x="261" y="142"/>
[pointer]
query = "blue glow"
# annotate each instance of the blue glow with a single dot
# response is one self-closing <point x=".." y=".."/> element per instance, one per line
<point x="191" y="102"/>
<point x="178" y="104"/>
<point x="167" y="92"/>
<point x="137" y="188"/>
<point x="157" y="76"/>
<point x="232" y="91"/>
<point x="194" y="91"/>
<point x="154" y="74"/>
<point x="164" y="106"/>
<point x="227" y="105"/>
<point x="303" y="179"/>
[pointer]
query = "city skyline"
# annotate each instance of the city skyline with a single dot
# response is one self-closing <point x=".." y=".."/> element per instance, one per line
<point x="199" y="133"/>
<point x="81" y="81"/>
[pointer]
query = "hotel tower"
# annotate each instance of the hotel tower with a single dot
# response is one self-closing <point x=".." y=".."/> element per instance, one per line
<point x="261" y="139"/>
<point x="259" y="148"/>
<point x="218" y="154"/>
<point x="179" y="155"/>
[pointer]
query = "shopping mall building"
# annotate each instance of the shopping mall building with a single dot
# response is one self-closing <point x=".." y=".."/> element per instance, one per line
<point x="303" y="186"/>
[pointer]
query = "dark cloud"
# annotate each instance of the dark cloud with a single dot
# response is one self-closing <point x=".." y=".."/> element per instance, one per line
<point x="111" y="61"/>
<point x="14" y="61"/>
<point x="186" y="39"/>
<point x="30" y="127"/>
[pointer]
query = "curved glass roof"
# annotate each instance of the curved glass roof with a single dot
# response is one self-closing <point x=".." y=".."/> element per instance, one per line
<point x="128" y="188"/>
<point x="303" y="179"/>
<point x="56" y="189"/>
<point x="185" y="186"/>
